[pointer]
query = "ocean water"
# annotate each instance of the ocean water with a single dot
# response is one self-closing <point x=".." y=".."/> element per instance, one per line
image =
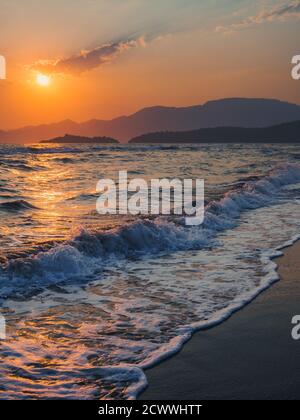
<point x="91" y="301"/>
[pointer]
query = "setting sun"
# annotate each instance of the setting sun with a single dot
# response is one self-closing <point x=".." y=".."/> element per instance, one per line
<point x="43" y="80"/>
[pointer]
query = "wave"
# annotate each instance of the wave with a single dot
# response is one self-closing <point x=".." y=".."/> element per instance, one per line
<point x="88" y="252"/>
<point x="132" y="379"/>
<point x="7" y="190"/>
<point x="19" y="165"/>
<point x="12" y="150"/>
<point x="17" y="205"/>
<point x="136" y="374"/>
<point x="84" y="196"/>
<point x="64" y="160"/>
<point x="32" y="150"/>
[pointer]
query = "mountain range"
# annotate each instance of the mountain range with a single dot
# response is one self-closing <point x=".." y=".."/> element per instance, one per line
<point x="231" y="112"/>
<point x="286" y="132"/>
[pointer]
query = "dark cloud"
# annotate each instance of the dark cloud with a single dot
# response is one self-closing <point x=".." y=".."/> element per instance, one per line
<point x="87" y="60"/>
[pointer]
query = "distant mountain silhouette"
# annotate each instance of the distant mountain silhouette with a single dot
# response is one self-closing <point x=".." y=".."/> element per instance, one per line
<point x="69" y="138"/>
<point x="282" y="133"/>
<point x="234" y="112"/>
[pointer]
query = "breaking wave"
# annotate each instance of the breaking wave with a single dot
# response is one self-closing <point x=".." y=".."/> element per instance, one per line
<point x="88" y="252"/>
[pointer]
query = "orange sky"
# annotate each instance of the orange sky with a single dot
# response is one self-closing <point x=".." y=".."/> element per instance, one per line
<point x="139" y="54"/>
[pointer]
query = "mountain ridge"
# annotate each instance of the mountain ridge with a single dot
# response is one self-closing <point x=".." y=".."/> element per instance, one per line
<point x="281" y="133"/>
<point x="236" y="112"/>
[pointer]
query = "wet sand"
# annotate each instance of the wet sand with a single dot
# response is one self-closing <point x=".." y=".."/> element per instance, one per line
<point x="250" y="356"/>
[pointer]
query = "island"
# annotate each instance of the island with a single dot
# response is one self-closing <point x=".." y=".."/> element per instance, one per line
<point x="70" y="138"/>
<point x="281" y="133"/>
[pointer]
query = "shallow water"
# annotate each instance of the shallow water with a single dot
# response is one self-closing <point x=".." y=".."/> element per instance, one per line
<point x="90" y="299"/>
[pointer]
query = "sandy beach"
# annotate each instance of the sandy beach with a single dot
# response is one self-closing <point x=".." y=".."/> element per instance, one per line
<point x="250" y="356"/>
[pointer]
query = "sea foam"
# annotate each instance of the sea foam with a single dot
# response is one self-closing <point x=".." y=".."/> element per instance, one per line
<point x="148" y="286"/>
<point x="88" y="252"/>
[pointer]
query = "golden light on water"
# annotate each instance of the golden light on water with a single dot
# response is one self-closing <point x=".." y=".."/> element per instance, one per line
<point x="43" y="80"/>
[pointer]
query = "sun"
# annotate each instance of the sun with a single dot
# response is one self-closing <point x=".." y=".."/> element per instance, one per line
<point x="43" y="80"/>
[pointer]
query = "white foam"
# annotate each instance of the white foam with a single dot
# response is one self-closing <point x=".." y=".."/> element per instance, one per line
<point x="88" y="252"/>
<point x="175" y="345"/>
<point x="144" y="310"/>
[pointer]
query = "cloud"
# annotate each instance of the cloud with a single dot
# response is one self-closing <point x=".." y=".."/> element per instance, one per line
<point x="87" y="60"/>
<point x="282" y="12"/>
<point x="169" y="18"/>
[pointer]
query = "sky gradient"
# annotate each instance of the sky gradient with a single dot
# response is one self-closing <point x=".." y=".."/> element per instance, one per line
<point x="111" y="57"/>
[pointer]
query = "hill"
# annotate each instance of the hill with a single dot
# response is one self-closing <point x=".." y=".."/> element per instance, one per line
<point x="69" y="138"/>
<point x="233" y="112"/>
<point x="282" y="133"/>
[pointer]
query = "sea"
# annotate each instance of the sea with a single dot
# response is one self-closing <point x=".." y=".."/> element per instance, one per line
<point x="91" y="301"/>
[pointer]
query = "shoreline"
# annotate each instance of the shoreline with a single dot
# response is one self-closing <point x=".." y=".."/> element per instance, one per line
<point x="222" y="362"/>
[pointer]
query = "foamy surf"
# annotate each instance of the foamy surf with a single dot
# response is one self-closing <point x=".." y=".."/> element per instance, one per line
<point x="88" y="316"/>
<point x="88" y="252"/>
<point x="138" y="375"/>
